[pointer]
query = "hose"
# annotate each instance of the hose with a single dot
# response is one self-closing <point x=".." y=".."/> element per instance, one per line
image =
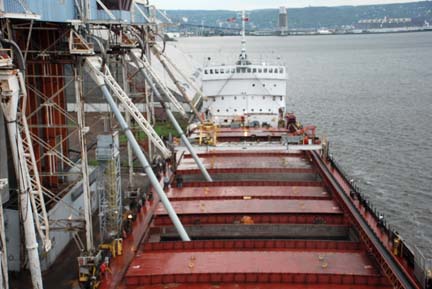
<point x="164" y="42"/>
<point x="101" y="47"/>
<point x="140" y="41"/>
<point x="17" y="52"/>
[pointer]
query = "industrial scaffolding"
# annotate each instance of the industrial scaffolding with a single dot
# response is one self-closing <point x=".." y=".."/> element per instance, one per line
<point x="109" y="187"/>
<point x="61" y="53"/>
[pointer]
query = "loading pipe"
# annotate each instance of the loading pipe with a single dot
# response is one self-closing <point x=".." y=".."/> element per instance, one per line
<point x="26" y="211"/>
<point x="145" y="164"/>
<point x="170" y="74"/>
<point x="177" y="127"/>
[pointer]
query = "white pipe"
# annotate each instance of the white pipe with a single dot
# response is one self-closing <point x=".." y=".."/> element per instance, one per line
<point x="191" y="83"/>
<point x="25" y="204"/>
<point x="145" y="164"/>
<point x="177" y="127"/>
<point x="4" y="282"/>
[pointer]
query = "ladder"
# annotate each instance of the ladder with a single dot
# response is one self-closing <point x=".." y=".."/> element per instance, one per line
<point x="24" y="158"/>
<point x="94" y="65"/>
<point x="143" y="63"/>
<point x="32" y="180"/>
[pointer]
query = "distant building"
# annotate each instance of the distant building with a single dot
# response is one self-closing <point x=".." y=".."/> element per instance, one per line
<point x="386" y="22"/>
<point x="283" y="21"/>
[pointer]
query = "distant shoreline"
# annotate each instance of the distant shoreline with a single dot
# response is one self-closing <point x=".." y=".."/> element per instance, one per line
<point x="316" y="33"/>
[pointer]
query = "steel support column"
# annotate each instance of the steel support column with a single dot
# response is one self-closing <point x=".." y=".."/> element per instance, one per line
<point x="84" y="161"/>
<point x="128" y="120"/>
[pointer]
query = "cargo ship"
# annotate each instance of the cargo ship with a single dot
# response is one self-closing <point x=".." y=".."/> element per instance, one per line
<point x="248" y="197"/>
<point x="279" y="212"/>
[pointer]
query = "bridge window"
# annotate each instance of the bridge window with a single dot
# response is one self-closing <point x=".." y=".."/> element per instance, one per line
<point x="227" y="110"/>
<point x="263" y="84"/>
<point x="281" y="70"/>
<point x="235" y="97"/>
<point x="274" y="98"/>
<point x="232" y="70"/>
<point x="206" y="71"/>
<point x="249" y="70"/>
<point x="271" y="70"/>
<point x="211" y="71"/>
<point x="235" y="110"/>
<point x="253" y="84"/>
<point x="218" y="110"/>
<point x="216" y="71"/>
<point x="265" y="70"/>
<point x="227" y="70"/>
<point x="238" y="70"/>
<point x="259" y="70"/>
<point x="260" y="109"/>
<point x="254" y="70"/>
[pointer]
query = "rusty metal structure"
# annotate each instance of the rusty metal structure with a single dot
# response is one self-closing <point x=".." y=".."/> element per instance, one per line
<point x="264" y="214"/>
<point x="46" y="93"/>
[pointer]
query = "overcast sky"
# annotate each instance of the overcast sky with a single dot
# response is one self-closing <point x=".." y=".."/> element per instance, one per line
<point x="259" y="4"/>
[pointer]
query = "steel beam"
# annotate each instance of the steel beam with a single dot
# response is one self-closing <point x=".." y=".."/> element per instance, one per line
<point x="84" y="162"/>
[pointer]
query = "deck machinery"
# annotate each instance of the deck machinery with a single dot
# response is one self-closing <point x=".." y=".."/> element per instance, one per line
<point x="246" y="210"/>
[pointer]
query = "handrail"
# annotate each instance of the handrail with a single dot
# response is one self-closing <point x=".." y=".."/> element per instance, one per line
<point x="416" y="259"/>
<point x="403" y="278"/>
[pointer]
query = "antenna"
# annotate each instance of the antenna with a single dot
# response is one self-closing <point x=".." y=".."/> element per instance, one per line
<point x="243" y="51"/>
<point x="243" y="56"/>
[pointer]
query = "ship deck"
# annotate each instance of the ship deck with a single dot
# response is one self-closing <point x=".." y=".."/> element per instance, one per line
<point x="269" y="220"/>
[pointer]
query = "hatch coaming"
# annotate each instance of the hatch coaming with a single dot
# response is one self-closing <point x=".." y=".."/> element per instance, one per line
<point x="237" y="220"/>
<point x="295" y="231"/>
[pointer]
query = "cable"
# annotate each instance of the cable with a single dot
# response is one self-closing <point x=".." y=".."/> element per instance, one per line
<point x="17" y="50"/>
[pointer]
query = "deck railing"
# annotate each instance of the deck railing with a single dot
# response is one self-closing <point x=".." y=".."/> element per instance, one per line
<point x="421" y="265"/>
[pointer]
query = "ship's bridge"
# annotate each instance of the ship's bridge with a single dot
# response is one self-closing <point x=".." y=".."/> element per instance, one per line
<point x="241" y="72"/>
<point x="255" y="93"/>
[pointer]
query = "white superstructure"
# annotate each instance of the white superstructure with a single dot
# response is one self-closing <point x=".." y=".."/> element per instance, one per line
<point x="247" y="93"/>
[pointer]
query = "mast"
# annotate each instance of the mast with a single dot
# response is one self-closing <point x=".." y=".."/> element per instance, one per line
<point x="243" y="50"/>
<point x="243" y="56"/>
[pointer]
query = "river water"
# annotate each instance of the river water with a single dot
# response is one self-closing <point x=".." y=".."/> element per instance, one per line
<point x="371" y="95"/>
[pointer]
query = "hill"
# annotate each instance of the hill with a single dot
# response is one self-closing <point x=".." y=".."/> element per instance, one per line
<point x="311" y="17"/>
